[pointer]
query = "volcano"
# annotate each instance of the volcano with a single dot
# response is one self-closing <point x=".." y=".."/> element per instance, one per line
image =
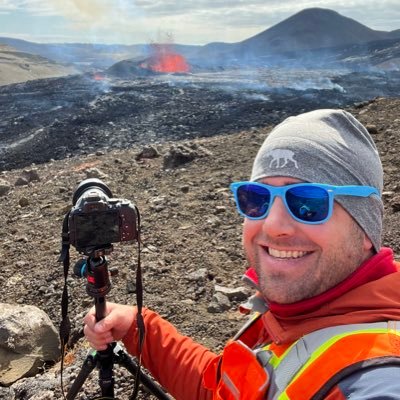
<point x="165" y="60"/>
<point x="171" y="63"/>
<point x="166" y="63"/>
<point x="162" y="60"/>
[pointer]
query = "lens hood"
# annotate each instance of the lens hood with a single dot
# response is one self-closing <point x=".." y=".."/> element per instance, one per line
<point x="91" y="183"/>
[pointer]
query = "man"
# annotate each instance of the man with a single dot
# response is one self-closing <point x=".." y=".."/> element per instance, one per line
<point x="330" y="294"/>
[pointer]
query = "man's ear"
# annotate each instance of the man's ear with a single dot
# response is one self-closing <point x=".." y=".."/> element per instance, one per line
<point x="368" y="246"/>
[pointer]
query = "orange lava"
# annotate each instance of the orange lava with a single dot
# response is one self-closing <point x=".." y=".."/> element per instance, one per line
<point x="169" y="63"/>
<point x="98" y="76"/>
<point x="164" y="60"/>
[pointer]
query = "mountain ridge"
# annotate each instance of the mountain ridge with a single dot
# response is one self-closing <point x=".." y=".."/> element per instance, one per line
<point x="312" y="36"/>
<point x="308" y="30"/>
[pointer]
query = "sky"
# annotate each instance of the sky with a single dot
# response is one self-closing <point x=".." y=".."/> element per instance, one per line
<point x="185" y="21"/>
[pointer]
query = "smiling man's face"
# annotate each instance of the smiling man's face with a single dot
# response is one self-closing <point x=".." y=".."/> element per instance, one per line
<point x="296" y="261"/>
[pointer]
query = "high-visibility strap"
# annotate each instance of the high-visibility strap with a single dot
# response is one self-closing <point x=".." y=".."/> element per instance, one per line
<point x="311" y="366"/>
<point x="348" y="350"/>
<point x="317" y="357"/>
<point x="296" y="356"/>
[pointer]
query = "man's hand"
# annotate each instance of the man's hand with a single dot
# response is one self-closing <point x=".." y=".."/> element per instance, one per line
<point x="119" y="318"/>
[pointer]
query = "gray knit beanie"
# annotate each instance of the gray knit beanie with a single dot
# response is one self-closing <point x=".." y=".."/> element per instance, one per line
<point x="331" y="147"/>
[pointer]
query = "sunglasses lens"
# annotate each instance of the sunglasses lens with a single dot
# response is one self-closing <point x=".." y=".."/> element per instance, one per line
<point x="308" y="203"/>
<point x="253" y="200"/>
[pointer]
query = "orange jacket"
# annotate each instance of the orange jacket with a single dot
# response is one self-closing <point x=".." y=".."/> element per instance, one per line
<point x="178" y="363"/>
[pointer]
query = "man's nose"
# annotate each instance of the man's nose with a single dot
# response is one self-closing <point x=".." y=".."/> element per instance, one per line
<point x="278" y="221"/>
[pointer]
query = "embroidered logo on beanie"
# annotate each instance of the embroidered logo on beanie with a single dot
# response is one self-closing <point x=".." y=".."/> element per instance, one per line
<point x="281" y="154"/>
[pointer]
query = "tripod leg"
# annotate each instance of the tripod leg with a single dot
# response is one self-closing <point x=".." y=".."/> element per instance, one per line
<point x="104" y="361"/>
<point x="88" y="365"/>
<point x="126" y="361"/>
<point x="106" y="377"/>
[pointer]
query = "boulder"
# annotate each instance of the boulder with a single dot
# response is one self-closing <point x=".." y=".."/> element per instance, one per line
<point x="180" y="154"/>
<point x="4" y="187"/>
<point x="27" y="176"/>
<point x="147" y="152"/>
<point x="28" y="340"/>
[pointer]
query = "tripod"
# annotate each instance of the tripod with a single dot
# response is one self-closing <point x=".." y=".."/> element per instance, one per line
<point x="98" y="285"/>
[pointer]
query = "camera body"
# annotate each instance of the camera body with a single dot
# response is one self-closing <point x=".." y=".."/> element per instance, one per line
<point x="97" y="219"/>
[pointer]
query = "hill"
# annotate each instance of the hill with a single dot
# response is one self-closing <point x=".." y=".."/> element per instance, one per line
<point x="17" y="66"/>
<point x="312" y="28"/>
<point x="190" y="230"/>
<point x="302" y="39"/>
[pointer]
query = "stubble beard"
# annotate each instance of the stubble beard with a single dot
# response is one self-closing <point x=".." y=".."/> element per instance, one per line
<point x="330" y="268"/>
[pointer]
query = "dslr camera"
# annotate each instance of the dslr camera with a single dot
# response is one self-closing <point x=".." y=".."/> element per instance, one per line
<point x="97" y="220"/>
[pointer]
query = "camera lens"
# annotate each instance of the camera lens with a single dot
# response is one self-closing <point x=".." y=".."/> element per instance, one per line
<point x="92" y="183"/>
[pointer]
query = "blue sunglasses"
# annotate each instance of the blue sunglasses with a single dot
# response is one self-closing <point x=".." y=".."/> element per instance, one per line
<point x="309" y="203"/>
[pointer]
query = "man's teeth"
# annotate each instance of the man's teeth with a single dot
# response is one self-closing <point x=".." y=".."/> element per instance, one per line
<point x="286" y="254"/>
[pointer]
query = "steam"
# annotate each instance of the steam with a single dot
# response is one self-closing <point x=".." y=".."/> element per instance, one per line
<point x="94" y="20"/>
<point x="261" y="81"/>
<point x="90" y="11"/>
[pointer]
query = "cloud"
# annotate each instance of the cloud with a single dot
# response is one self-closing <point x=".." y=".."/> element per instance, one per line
<point x="7" y="6"/>
<point x="191" y="21"/>
<point x="33" y="7"/>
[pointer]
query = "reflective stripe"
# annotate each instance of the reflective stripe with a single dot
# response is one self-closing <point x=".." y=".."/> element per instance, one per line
<point x="307" y="369"/>
<point x="242" y="377"/>
<point x="349" y="352"/>
<point x="312" y="346"/>
<point x="309" y="347"/>
<point x="231" y="386"/>
<point x="290" y="365"/>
